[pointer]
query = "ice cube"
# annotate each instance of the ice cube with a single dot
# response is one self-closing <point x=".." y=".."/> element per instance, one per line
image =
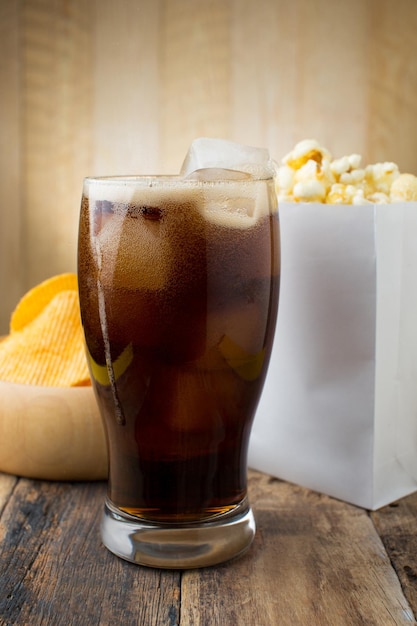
<point x="206" y="152"/>
<point x="118" y="244"/>
<point x="212" y="174"/>
<point x="151" y="244"/>
<point x="240" y="201"/>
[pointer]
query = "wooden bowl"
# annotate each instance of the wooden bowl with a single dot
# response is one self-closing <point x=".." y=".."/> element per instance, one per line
<point x="51" y="433"/>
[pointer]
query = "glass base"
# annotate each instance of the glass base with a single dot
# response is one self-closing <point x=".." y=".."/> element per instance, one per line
<point x="184" y="546"/>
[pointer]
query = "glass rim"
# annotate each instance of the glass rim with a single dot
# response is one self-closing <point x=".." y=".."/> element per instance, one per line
<point x="175" y="179"/>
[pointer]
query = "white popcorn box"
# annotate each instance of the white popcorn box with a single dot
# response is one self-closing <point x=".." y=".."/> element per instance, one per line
<point x="339" y="409"/>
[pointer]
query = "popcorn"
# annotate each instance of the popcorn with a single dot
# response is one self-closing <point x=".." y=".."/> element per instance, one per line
<point x="309" y="191"/>
<point x="378" y="198"/>
<point x="346" y="164"/>
<point x="354" y="177"/>
<point x="404" y="188"/>
<point x="310" y="174"/>
<point x="380" y="176"/>
<point x="306" y="150"/>
<point x="345" y="194"/>
<point x="285" y="178"/>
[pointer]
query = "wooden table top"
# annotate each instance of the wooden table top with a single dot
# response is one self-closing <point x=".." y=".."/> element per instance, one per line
<point x="315" y="561"/>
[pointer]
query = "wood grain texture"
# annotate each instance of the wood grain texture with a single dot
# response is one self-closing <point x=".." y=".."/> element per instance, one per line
<point x="195" y="64"/>
<point x="396" y="525"/>
<point x="56" y="130"/>
<point x="11" y="263"/>
<point x="7" y="484"/>
<point x="126" y="87"/>
<point x="98" y="87"/>
<point x="299" y="72"/>
<point x="315" y="560"/>
<point x="393" y="82"/>
<point x="56" y="572"/>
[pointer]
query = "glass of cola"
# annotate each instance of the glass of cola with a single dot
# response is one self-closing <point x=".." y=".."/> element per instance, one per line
<point x="179" y="284"/>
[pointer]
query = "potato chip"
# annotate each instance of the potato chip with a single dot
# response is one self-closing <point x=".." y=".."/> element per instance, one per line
<point x="46" y="345"/>
<point x="35" y="300"/>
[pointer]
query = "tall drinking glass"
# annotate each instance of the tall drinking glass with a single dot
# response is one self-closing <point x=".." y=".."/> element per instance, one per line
<point x="179" y="282"/>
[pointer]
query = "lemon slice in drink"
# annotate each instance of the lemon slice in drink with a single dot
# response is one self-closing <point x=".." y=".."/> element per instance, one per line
<point x="248" y="366"/>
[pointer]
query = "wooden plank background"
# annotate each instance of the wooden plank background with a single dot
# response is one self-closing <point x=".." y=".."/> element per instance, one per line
<point x="99" y="87"/>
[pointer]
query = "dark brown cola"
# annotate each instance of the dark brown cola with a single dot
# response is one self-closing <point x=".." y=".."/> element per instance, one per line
<point x="178" y="306"/>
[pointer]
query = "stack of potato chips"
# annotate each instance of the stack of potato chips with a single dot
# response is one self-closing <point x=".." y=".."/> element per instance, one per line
<point x="45" y="345"/>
